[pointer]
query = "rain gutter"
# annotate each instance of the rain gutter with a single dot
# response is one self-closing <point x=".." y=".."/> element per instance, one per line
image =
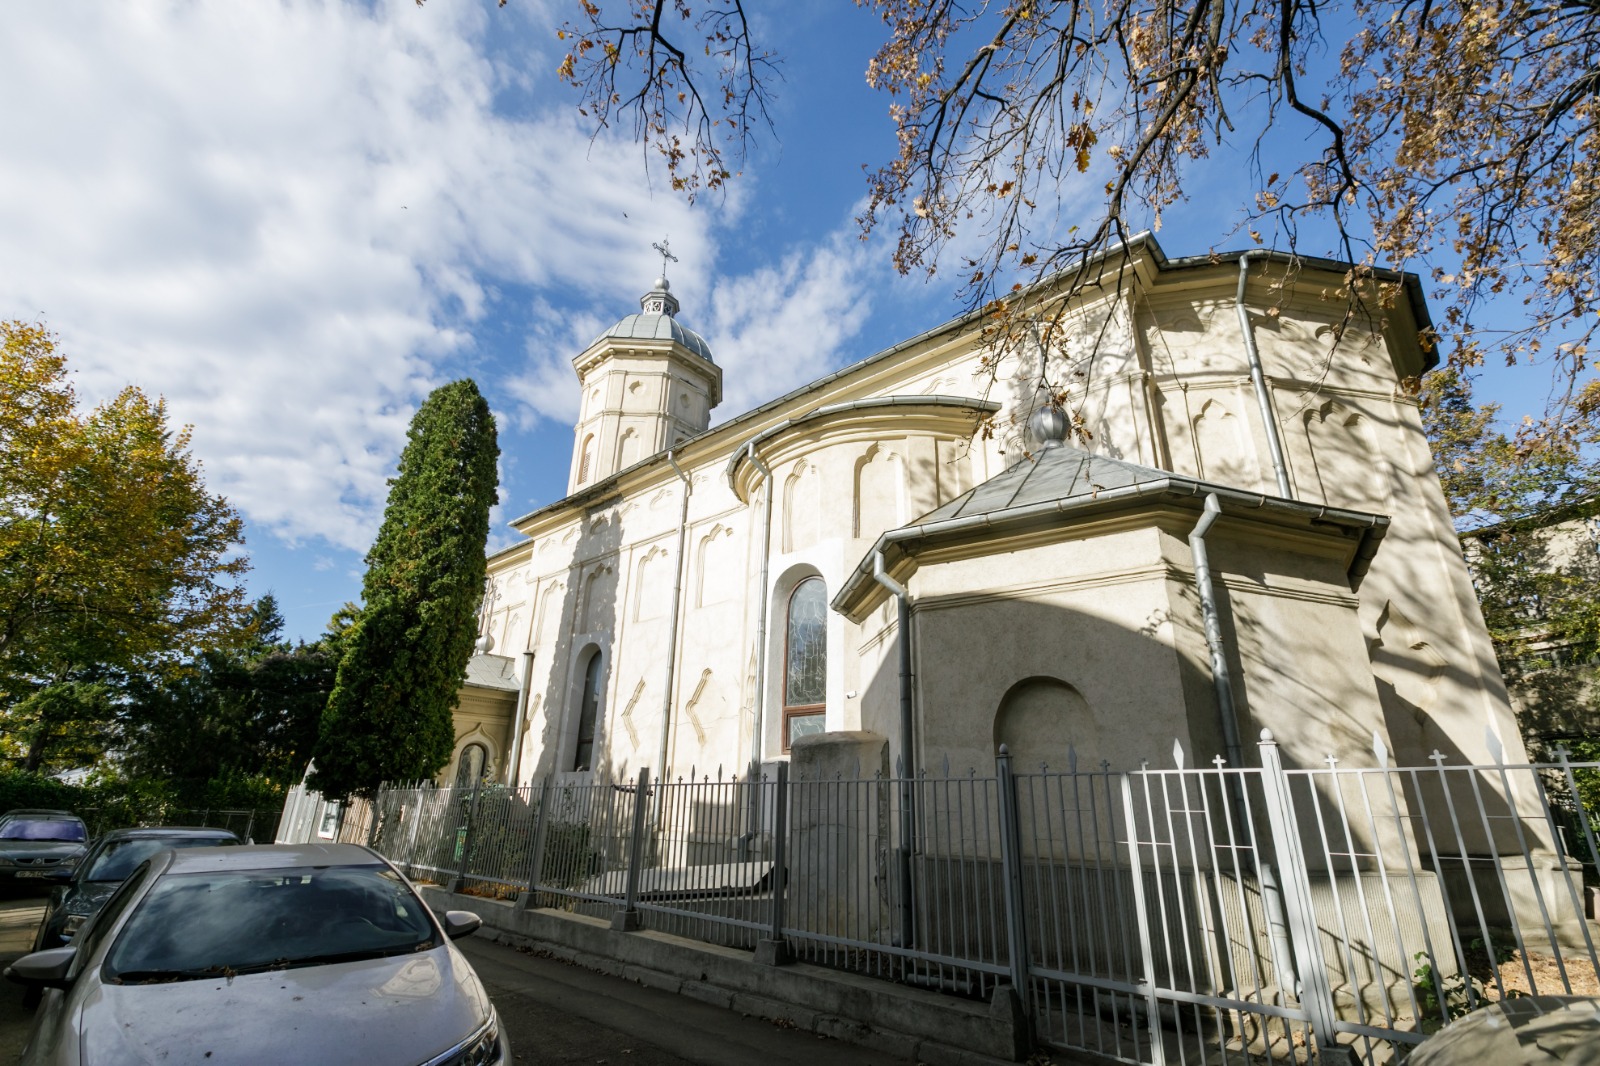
<point x="514" y="760"/>
<point x="1373" y="526"/>
<point x="1228" y="720"/>
<point x="875" y="403"/>
<point x="906" y="773"/>
<point x="672" y="621"/>
<point x="757" y="746"/>
<point x="1258" y="381"/>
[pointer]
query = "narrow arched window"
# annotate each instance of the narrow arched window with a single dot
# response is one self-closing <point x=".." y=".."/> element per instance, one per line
<point x="588" y="715"/>
<point x="469" y="768"/>
<point x="586" y="460"/>
<point x="805" y="661"/>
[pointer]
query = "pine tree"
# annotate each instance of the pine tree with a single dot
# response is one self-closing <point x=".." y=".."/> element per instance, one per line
<point x="389" y="716"/>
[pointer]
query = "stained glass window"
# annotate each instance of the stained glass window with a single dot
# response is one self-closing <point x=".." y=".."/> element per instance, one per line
<point x="805" y="680"/>
<point x="469" y="770"/>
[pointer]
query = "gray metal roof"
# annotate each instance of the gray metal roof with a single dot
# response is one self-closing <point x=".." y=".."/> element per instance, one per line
<point x="1061" y="485"/>
<point x="1053" y="475"/>
<point x="493" y="671"/>
<point x="647" y="326"/>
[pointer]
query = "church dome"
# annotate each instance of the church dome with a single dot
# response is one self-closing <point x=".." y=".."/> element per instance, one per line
<point x="655" y="322"/>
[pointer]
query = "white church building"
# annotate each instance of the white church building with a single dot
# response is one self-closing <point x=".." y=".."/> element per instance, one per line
<point x="915" y="547"/>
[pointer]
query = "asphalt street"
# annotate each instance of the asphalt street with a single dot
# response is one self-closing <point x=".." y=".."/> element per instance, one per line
<point x="19" y="918"/>
<point x="554" y="1013"/>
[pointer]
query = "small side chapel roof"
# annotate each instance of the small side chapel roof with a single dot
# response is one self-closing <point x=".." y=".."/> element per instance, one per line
<point x="493" y="671"/>
<point x="1061" y="484"/>
<point x="1054" y="475"/>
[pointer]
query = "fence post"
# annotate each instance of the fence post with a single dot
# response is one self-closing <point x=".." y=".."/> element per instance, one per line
<point x="540" y="828"/>
<point x="1316" y="995"/>
<point x="464" y="859"/>
<point x="372" y="816"/>
<point x="1011" y="875"/>
<point x="772" y="950"/>
<point x="626" y="920"/>
<point x="1141" y="918"/>
<point x="249" y="825"/>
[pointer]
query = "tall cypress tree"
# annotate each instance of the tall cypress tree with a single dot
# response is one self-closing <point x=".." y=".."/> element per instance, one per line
<point x="389" y="716"/>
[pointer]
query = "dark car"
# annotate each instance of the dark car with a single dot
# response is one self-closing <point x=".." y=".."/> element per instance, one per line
<point x="37" y="847"/>
<point x="108" y="864"/>
<point x="37" y="812"/>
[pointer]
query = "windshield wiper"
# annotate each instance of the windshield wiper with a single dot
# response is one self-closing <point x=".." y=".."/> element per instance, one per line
<point x="157" y="976"/>
<point x="151" y="977"/>
<point x="339" y="956"/>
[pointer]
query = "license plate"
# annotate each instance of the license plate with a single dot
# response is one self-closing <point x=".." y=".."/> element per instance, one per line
<point x="33" y="873"/>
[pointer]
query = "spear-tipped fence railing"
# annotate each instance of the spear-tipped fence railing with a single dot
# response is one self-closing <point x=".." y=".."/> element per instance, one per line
<point x="1177" y="913"/>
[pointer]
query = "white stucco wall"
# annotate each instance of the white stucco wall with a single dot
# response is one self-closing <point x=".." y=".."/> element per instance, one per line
<point x="1168" y="388"/>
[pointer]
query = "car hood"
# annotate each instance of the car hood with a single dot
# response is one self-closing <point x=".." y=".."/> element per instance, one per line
<point x="40" y="849"/>
<point x="398" y="1011"/>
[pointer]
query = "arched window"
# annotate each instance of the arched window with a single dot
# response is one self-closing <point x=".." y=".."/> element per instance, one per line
<point x="588" y="715"/>
<point x="805" y="661"/>
<point x="586" y="460"/>
<point x="469" y="768"/>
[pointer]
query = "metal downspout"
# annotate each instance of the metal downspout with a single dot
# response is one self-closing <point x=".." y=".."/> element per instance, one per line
<point x="1258" y="381"/>
<point x="1221" y="676"/>
<point x="672" y="621"/>
<point x="903" y="621"/>
<point x="907" y="771"/>
<point x="1228" y="719"/>
<point x="758" y="742"/>
<point x="514" y="760"/>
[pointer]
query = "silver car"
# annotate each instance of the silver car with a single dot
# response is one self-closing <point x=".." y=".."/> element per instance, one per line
<point x="289" y="953"/>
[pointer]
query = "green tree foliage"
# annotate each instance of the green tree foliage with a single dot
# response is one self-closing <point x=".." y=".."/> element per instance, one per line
<point x="390" y="715"/>
<point x="1526" y="514"/>
<point x="250" y="711"/>
<point x="114" y="558"/>
<point x="1456" y="138"/>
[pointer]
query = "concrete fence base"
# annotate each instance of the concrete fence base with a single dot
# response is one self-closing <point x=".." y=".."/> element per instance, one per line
<point x="919" y="1025"/>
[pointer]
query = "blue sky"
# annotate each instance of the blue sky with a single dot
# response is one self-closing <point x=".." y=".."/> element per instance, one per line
<point x="293" y="219"/>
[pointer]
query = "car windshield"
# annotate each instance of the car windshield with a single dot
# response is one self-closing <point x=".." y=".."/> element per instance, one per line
<point x="223" y="923"/>
<point x="119" y="858"/>
<point x="69" y="830"/>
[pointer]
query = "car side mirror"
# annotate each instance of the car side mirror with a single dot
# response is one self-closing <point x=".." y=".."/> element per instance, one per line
<point x="44" y="968"/>
<point x="458" y="924"/>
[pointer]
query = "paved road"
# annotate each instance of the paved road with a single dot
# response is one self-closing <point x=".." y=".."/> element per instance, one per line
<point x="554" y="1014"/>
<point x="19" y="919"/>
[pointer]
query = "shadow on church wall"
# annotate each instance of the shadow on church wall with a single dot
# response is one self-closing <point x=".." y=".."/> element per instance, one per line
<point x="576" y="621"/>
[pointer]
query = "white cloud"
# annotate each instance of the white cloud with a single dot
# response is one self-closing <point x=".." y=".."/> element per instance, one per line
<point x="293" y="219"/>
<point x="281" y="216"/>
<point x="777" y="328"/>
<point x="771" y="330"/>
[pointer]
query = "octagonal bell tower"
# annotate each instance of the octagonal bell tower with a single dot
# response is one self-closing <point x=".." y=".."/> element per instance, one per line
<point x="647" y="384"/>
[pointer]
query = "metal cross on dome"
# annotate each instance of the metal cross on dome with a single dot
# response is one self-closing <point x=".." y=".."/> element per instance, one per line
<point x="665" y="248"/>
